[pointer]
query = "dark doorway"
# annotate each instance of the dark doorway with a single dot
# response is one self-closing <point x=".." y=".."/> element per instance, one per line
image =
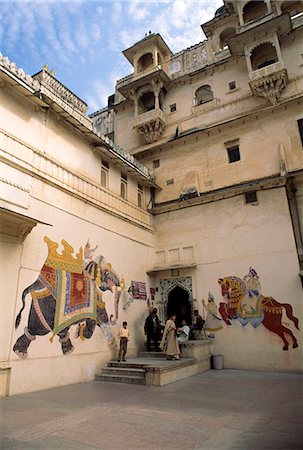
<point x="178" y="303"/>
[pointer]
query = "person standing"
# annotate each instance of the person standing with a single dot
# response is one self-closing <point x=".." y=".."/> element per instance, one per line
<point x="124" y="336"/>
<point x="169" y="343"/>
<point x="151" y="329"/>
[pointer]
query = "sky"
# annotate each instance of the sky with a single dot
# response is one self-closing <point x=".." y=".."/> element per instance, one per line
<point x="83" y="40"/>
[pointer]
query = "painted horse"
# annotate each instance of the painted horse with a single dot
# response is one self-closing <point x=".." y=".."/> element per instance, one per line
<point x="68" y="291"/>
<point x="233" y="289"/>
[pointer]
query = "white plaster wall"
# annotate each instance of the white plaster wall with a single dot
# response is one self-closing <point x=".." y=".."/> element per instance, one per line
<point x="130" y="257"/>
<point x="229" y="237"/>
<point x="261" y="139"/>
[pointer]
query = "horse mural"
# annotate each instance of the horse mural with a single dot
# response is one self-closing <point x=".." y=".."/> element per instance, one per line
<point x="245" y="303"/>
<point x="68" y="291"/>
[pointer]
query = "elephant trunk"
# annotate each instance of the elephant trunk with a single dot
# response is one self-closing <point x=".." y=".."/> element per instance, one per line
<point x="118" y="292"/>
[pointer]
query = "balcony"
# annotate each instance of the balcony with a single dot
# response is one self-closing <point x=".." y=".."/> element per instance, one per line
<point x="269" y="82"/>
<point x="150" y="124"/>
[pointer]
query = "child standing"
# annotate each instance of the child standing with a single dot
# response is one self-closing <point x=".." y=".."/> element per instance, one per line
<point x="123" y="334"/>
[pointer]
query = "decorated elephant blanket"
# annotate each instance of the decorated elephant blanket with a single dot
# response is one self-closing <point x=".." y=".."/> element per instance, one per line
<point x="75" y="294"/>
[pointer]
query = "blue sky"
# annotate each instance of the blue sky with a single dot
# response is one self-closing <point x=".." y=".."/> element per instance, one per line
<point x="83" y="40"/>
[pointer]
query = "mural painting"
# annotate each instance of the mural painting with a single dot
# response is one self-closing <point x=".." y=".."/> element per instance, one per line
<point x="246" y="304"/>
<point x="212" y="322"/>
<point x="68" y="291"/>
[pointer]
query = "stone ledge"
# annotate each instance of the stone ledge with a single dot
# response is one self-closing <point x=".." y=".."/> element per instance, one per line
<point x="165" y="375"/>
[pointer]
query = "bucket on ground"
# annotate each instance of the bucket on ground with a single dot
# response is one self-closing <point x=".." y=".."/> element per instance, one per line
<point x="217" y="362"/>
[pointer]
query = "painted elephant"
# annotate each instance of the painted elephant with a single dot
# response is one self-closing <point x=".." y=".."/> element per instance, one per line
<point x="67" y="293"/>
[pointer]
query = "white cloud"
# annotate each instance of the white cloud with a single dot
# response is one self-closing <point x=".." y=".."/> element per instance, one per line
<point x="91" y="35"/>
<point x="137" y="11"/>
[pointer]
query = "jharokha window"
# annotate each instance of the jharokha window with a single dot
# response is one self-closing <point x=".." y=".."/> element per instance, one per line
<point x="203" y="94"/>
<point x="145" y="61"/>
<point x="263" y="55"/>
<point x="254" y="10"/>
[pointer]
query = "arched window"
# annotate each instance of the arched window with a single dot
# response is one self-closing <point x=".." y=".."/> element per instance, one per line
<point x="225" y="35"/>
<point x="263" y="55"/>
<point x="145" y="61"/>
<point x="293" y="8"/>
<point x="147" y="101"/>
<point x="254" y="10"/>
<point x="203" y="94"/>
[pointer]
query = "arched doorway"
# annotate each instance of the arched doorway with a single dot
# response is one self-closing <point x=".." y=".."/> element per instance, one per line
<point x="178" y="303"/>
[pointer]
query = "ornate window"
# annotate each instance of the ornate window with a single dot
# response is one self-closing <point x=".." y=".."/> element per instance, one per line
<point x="203" y="94"/>
<point x="145" y="62"/>
<point x="225" y="35"/>
<point x="147" y="101"/>
<point x="204" y="56"/>
<point x="254" y="10"/>
<point x="263" y="55"/>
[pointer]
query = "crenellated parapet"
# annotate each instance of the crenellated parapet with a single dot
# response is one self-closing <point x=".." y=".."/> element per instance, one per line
<point x="11" y="67"/>
<point x="57" y="88"/>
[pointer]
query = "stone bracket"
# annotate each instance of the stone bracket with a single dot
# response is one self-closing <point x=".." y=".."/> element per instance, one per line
<point x="270" y="86"/>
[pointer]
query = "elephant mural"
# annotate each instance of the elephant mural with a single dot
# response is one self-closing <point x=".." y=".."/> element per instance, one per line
<point x="69" y="291"/>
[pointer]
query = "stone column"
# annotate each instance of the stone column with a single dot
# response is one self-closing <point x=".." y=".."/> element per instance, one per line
<point x="134" y="98"/>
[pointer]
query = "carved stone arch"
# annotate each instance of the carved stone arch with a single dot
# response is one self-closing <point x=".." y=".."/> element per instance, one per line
<point x="263" y="54"/>
<point x="226" y="34"/>
<point x="142" y="90"/>
<point x="203" y="94"/>
<point x="145" y="61"/>
<point x="169" y="287"/>
<point x="254" y="9"/>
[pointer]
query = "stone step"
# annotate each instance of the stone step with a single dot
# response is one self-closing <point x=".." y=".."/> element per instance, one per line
<point x="146" y="354"/>
<point x="123" y="371"/>
<point x="121" y="379"/>
<point x="126" y="365"/>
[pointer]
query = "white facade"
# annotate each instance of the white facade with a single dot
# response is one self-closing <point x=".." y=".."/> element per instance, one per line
<point x="182" y="216"/>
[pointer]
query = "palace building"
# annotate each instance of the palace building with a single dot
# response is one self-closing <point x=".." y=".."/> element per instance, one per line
<point x="188" y="186"/>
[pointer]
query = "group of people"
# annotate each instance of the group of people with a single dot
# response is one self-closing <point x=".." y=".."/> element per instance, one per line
<point x="168" y="338"/>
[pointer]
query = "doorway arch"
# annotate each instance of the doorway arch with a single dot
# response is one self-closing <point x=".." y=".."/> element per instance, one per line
<point x="176" y="297"/>
<point x="178" y="303"/>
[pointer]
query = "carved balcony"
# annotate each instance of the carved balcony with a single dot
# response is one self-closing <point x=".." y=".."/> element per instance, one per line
<point x="150" y="124"/>
<point x="269" y="82"/>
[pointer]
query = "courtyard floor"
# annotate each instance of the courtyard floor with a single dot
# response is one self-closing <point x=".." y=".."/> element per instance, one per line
<point x="218" y="409"/>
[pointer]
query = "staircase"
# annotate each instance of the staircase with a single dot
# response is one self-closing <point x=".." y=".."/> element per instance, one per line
<point x="151" y="368"/>
<point x="122" y="373"/>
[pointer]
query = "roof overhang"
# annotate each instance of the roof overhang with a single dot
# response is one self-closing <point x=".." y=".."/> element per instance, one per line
<point x="147" y="42"/>
<point x="135" y="82"/>
<point x="166" y="267"/>
<point x="281" y="24"/>
<point x="15" y="226"/>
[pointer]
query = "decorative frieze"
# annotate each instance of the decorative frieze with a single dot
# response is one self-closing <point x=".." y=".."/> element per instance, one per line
<point x="150" y="124"/>
<point x="270" y="86"/>
<point x="57" y="88"/>
<point x="19" y="73"/>
<point x="38" y="163"/>
<point x="205" y="107"/>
